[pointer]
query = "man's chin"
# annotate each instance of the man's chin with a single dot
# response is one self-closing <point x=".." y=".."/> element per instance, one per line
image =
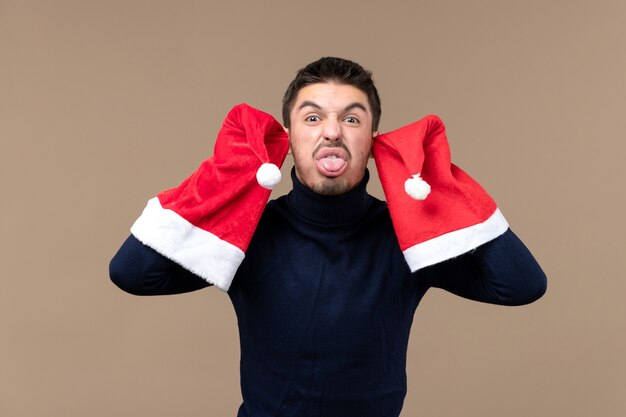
<point x="331" y="186"/>
<point x="327" y="185"/>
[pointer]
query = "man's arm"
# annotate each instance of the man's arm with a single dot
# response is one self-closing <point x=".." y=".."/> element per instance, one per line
<point x="140" y="270"/>
<point x="502" y="271"/>
<point x="205" y="224"/>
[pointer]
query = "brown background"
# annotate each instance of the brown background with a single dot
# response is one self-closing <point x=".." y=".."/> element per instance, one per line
<point x="103" y="104"/>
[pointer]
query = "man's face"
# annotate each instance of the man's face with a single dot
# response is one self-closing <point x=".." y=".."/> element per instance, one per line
<point x="330" y="137"/>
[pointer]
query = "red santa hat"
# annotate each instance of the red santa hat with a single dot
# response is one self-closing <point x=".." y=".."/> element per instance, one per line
<point x="206" y="223"/>
<point x="438" y="211"/>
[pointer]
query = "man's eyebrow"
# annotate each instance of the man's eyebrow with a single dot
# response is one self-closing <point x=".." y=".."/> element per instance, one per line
<point x="355" y="105"/>
<point x="349" y="107"/>
<point x="309" y="103"/>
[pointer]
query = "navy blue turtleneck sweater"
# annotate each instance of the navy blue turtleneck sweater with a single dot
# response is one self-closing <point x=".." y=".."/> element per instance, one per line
<point x="325" y="301"/>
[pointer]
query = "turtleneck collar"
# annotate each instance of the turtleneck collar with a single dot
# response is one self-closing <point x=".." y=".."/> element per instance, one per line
<point x="329" y="210"/>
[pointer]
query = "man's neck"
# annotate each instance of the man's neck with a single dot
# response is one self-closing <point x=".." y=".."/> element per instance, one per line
<point x="329" y="210"/>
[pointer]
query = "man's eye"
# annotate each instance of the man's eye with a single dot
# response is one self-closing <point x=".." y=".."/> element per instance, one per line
<point x="351" y="119"/>
<point x="312" y="119"/>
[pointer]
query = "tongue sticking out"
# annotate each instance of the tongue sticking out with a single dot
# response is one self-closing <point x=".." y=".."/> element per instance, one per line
<point x="331" y="166"/>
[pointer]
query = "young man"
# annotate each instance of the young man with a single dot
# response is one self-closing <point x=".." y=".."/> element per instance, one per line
<point x="324" y="297"/>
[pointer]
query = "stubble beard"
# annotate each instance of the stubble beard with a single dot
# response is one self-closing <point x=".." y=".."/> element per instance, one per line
<point x="328" y="186"/>
<point x="331" y="187"/>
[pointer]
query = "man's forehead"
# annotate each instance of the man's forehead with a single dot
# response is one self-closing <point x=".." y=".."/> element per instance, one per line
<point x="331" y="96"/>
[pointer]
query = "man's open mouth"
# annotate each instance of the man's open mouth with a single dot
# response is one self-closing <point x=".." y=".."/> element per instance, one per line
<point x="332" y="161"/>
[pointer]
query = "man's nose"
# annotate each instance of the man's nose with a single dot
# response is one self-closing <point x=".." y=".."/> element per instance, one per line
<point x="332" y="129"/>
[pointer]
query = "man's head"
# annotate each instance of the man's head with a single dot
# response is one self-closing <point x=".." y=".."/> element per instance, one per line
<point x="331" y="111"/>
<point x="338" y="71"/>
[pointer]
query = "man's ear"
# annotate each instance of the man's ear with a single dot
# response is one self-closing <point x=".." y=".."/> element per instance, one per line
<point x="374" y="134"/>
<point x="286" y="129"/>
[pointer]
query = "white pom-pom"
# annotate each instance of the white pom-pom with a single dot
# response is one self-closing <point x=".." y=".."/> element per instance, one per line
<point x="417" y="188"/>
<point x="268" y="175"/>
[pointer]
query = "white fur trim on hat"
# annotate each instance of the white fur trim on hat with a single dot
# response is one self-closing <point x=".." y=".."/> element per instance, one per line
<point x="195" y="249"/>
<point x="453" y="244"/>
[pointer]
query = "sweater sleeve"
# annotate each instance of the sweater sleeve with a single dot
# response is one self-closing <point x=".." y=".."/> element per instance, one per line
<point x="140" y="270"/>
<point x="502" y="271"/>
